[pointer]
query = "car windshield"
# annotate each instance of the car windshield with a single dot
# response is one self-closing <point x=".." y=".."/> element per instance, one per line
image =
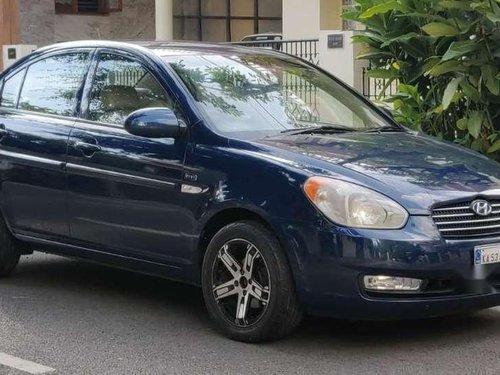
<point x="253" y="95"/>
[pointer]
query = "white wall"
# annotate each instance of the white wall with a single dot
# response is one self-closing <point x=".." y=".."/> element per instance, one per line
<point x="342" y="62"/>
<point x="301" y="19"/>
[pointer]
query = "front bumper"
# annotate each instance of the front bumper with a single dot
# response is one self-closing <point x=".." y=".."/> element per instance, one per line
<point x="329" y="263"/>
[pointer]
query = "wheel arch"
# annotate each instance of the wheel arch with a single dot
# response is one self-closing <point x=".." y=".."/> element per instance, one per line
<point x="227" y="216"/>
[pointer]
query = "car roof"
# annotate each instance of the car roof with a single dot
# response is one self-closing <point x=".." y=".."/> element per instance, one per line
<point x="160" y="48"/>
<point x="153" y="49"/>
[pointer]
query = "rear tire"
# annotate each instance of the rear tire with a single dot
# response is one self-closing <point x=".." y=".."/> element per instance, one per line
<point x="247" y="284"/>
<point x="9" y="251"/>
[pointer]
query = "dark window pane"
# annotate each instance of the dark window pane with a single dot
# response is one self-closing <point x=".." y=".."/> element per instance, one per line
<point x="270" y="8"/>
<point x="122" y="86"/>
<point x="242" y="8"/>
<point x="214" y="8"/>
<point x="11" y="90"/>
<point x="88" y="6"/>
<point x="186" y="7"/>
<point x="186" y="29"/>
<point x="270" y="26"/>
<point x="64" y="6"/>
<point x="214" y="30"/>
<point x="51" y="84"/>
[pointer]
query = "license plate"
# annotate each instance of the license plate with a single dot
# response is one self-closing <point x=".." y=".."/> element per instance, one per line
<point x="487" y="254"/>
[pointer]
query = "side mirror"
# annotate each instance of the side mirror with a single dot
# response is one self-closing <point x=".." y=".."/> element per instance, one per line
<point x="154" y="123"/>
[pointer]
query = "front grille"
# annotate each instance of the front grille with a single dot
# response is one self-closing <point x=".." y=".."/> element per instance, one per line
<point x="458" y="221"/>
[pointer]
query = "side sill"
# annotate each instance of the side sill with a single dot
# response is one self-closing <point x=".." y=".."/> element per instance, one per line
<point x="147" y="267"/>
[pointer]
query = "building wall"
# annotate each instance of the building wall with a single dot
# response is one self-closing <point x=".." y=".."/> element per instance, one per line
<point x="41" y="26"/>
<point x="36" y="19"/>
<point x="302" y="21"/>
<point x="342" y="62"/>
<point x="330" y="14"/>
<point x="299" y="21"/>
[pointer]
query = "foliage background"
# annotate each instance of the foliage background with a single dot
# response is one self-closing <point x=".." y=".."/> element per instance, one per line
<point x="446" y="56"/>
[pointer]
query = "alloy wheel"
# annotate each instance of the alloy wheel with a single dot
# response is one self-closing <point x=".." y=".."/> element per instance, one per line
<point x="241" y="282"/>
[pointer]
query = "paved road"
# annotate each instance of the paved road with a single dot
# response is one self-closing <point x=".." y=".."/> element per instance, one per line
<point x="80" y="318"/>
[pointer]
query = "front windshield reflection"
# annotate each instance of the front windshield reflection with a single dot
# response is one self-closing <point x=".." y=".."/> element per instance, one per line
<point x="261" y="93"/>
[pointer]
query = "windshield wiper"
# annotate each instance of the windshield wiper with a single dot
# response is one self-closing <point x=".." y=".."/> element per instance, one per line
<point x="381" y="129"/>
<point x="319" y="129"/>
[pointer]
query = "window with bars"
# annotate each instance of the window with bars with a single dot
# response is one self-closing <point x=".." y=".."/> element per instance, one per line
<point x="87" y="6"/>
<point x="225" y="20"/>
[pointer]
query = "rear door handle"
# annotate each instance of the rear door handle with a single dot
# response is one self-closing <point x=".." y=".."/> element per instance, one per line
<point x="3" y="131"/>
<point x="88" y="149"/>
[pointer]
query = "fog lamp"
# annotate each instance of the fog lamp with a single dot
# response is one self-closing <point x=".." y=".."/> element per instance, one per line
<point x="392" y="284"/>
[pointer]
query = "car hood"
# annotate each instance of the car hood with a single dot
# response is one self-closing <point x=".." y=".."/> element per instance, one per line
<point x="416" y="170"/>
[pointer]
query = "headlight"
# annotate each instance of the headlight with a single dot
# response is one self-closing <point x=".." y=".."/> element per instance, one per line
<point x="353" y="205"/>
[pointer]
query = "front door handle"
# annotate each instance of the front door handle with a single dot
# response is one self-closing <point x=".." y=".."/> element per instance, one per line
<point x="88" y="149"/>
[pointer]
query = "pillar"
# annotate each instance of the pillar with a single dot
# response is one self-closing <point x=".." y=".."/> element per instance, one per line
<point x="164" y="19"/>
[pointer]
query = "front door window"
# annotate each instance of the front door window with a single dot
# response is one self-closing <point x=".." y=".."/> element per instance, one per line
<point x="122" y="86"/>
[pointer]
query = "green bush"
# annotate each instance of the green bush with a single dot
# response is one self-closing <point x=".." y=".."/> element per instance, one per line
<point x="446" y="56"/>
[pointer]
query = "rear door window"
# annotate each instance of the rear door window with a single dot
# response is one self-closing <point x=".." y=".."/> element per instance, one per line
<point x="51" y="85"/>
<point x="10" y="90"/>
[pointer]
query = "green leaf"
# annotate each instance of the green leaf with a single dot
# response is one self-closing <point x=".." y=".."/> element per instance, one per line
<point x="465" y="5"/>
<point x="380" y="8"/>
<point x="474" y="123"/>
<point x="494" y="147"/>
<point x="440" y="29"/>
<point x="411" y="90"/>
<point x="351" y="16"/>
<point x="400" y="38"/>
<point x="450" y="91"/>
<point x="383" y="73"/>
<point x="462" y="123"/>
<point x="373" y="53"/>
<point x="493" y="17"/>
<point x="488" y="75"/>
<point x="476" y="145"/>
<point x="368" y="37"/>
<point x="430" y="63"/>
<point x="459" y="49"/>
<point x="470" y="91"/>
<point x="446" y="67"/>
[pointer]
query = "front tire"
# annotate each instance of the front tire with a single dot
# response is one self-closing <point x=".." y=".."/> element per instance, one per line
<point x="9" y="251"/>
<point x="247" y="284"/>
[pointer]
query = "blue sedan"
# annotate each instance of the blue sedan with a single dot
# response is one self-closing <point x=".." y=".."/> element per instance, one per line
<point x="248" y="172"/>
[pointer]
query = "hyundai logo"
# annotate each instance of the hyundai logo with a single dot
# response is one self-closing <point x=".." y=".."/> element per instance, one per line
<point x="481" y="207"/>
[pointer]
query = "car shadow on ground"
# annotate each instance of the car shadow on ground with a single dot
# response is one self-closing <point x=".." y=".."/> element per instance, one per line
<point x="62" y="276"/>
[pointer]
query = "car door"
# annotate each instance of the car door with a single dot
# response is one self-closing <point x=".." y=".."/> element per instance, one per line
<point x="124" y="190"/>
<point x="37" y="113"/>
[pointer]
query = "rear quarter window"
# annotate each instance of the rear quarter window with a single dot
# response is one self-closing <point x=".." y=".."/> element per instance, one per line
<point x="10" y="90"/>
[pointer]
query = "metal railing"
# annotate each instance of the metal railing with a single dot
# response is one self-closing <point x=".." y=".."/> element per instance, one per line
<point x="378" y="88"/>
<point x="305" y="109"/>
<point x="306" y="49"/>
